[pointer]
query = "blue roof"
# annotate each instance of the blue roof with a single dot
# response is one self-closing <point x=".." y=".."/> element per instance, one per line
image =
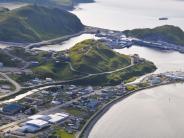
<point x="29" y="128"/>
<point x="12" y="107"/>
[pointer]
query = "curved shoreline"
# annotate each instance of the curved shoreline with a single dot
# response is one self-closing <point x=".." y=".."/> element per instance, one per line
<point x="84" y="133"/>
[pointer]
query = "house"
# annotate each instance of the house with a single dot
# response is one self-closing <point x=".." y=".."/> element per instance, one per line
<point x="93" y="103"/>
<point x="34" y="63"/>
<point x="1" y="65"/>
<point x="13" y="108"/>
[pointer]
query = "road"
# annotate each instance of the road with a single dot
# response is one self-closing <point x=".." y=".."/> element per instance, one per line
<point x="26" y="64"/>
<point x="17" y="86"/>
<point x="54" y="41"/>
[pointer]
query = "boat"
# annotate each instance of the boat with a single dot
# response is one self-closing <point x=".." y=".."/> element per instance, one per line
<point x="163" y="18"/>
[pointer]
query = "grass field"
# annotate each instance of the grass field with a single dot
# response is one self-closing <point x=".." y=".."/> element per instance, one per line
<point x="61" y="133"/>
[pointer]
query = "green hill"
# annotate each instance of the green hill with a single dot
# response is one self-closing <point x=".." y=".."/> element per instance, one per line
<point x="166" y="33"/>
<point x="34" y="24"/>
<point x="92" y="57"/>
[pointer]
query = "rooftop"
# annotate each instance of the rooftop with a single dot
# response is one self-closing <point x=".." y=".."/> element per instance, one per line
<point x="37" y="122"/>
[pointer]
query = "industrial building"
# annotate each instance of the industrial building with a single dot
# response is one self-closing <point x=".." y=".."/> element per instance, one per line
<point x="13" y="108"/>
<point x="39" y="122"/>
<point x="33" y="126"/>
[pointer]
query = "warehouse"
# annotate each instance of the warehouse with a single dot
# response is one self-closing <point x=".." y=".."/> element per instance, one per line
<point x="56" y="118"/>
<point x="40" y="124"/>
<point x="42" y="117"/>
<point x="33" y="126"/>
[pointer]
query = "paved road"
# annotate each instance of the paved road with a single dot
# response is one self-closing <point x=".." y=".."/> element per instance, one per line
<point x="17" y="86"/>
<point x="56" y="40"/>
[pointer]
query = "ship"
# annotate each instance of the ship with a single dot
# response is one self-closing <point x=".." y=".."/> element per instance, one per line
<point x="163" y="18"/>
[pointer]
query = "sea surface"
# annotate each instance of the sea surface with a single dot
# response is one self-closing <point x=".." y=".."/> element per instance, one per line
<point x="130" y="14"/>
<point x="68" y="43"/>
<point x="151" y="113"/>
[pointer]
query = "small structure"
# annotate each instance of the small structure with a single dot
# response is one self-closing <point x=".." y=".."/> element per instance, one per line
<point x="155" y="80"/>
<point x="56" y="118"/>
<point x="14" y="108"/>
<point x="6" y="87"/>
<point x="1" y="65"/>
<point x="34" y="63"/>
<point x="49" y="79"/>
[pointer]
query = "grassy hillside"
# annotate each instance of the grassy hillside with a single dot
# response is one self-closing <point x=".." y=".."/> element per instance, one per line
<point x="118" y="77"/>
<point x="34" y="23"/>
<point x="93" y="57"/>
<point x="90" y="57"/>
<point x="167" y="33"/>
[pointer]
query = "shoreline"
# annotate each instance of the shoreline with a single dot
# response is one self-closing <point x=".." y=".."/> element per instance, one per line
<point x="95" y="30"/>
<point x="88" y="126"/>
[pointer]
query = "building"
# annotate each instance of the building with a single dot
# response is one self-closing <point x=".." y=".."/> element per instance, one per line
<point x="49" y="79"/>
<point x="155" y="80"/>
<point x="6" y="87"/>
<point x="13" y="108"/>
<point x="34" y="63"/>
<point x="33" y="126"/>
<point x="39" y="122"/>
<point x="56" y="118"/>
<point x="1" y="65"/>
<point x="42" y="117"/>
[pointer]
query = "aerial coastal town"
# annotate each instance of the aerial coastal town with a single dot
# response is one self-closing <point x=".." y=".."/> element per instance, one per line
<point x="40" y="111"/>
<point x="64" y="93"/>
<point x="41" y="106"/>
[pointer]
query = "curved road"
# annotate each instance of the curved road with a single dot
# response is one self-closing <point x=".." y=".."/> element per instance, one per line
<point x="17" y="86"/>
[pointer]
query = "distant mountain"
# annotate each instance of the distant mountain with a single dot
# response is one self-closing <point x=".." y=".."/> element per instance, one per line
<point x="52" y="3"/>
<point x="35" y="23"/>
<point x="166" y="33"/>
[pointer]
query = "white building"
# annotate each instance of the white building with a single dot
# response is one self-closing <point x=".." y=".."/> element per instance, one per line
<point x="40" y="124"/>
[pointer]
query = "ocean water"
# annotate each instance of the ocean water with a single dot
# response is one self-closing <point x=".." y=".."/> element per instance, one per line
<point x="130" y="14"/>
